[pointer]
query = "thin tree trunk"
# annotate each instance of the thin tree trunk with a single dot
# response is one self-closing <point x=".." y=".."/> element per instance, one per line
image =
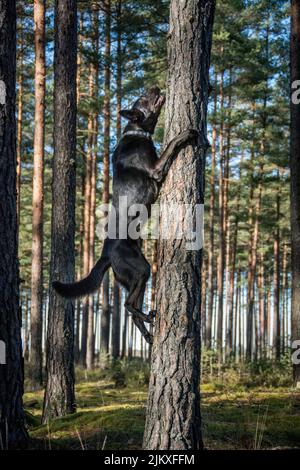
<point x="87" y="217"/>
<point x="284" y="302"/>
<point x="276" y="311"/>
<point x="203" y="300"/>
<point x="105" y="317"/>
<point x="116" y="319"/>
<point x="36" y="317"/>
<point x="210" y="282"/>
<point x="173" y="413"/>
<point x="94" y="113"/>
<point x="295" y="183"/>
<point x="221" y="257"/>
<point x="20" y="123"/>
<point x="13" y="432"/>
<point x="261" y="304"/>
<point x="59" y="394"/>
<point x="26" y="335"/>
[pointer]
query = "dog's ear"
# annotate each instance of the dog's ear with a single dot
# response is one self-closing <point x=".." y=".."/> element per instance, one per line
<point x="133" y="115"/>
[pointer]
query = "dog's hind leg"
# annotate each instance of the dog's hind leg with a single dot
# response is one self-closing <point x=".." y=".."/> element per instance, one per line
<point x="134" y="304"/>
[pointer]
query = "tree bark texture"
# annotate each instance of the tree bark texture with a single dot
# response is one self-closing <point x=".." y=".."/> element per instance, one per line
<point x="36" y="317"/>
<point x="12" y="419"/>
<point x="59" y="395"/>
<point x="295" y="182"/>
<point x="173" y="412"/>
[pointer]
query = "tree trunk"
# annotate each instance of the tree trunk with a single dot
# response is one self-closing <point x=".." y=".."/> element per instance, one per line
<point x="210" y="280"/>
<point x="105" y="317"/>
<point x="221" y="257"/>
<point x="276" y="311"/>
<point x="173" y="413"/>
<point x="59" y="395"/>
<point x="36" y="317"/>
<point x="116" y="311"/>
<point x="295" y="182"/>
<point x="20" y="122"/>
<point x="13" y="432"/>
<point x="94" y="113"/>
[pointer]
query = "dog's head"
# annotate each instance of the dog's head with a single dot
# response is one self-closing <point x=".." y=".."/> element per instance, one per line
<point x="146" y="110"/>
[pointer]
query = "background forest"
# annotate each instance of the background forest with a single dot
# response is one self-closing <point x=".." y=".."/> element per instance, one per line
<point x="246" y="284"/>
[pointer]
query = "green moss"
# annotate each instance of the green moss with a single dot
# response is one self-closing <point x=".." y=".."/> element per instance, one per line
<point x="113" y="418"/>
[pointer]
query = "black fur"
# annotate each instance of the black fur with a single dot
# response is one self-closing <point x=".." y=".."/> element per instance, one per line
<point x="138" y="175"/>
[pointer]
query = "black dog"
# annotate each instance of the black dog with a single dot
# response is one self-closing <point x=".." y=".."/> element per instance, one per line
<point x="138" y="175"/>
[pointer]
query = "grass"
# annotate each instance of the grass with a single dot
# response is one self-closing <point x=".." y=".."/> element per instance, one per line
<point x="113" y="418"/>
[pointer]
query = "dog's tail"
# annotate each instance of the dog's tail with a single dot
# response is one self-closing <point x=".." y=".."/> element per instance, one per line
<point x="87" y="285"/>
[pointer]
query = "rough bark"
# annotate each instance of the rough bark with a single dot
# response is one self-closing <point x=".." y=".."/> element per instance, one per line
<point x="116" y="318"/>
<point x="173" y="413"/>
<point x="94" y="113"/>
<point x="12" y="419"/>
<point x="221" y="257"/>
<point x="20" y="121"/>
<point x="295" y="183"/>
<point x="36" y="317"/>
<point x="105" y="317"/>
<point x="276" y="279"/>
<point x="210" y="280"/>
<point x="59" y="395"/>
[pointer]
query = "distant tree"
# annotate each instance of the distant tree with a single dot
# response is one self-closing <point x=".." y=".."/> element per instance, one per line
<point x="12" y="418"/>
<point x="36" y="317"/>
<point x="59" y="394"/>
<point x="173" y="412"/>
<point x="105" y="317"/>
<point x="295" y="179"/>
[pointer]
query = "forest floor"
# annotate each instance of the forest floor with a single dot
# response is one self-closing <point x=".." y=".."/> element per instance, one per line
<point x="113" y="418"/>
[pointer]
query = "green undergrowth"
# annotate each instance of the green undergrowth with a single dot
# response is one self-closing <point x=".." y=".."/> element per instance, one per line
<point x="111" y="413"/>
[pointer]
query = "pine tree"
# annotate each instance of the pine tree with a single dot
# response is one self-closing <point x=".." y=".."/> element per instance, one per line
<point x="173" y="410"/>
<point x="13" y="433"/>
<point x="295" y="180"/>
<point x="59" y="394"/>
<point x="36" y="317"/>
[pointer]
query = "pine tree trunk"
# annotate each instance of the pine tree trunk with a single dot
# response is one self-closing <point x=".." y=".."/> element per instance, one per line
<point x="87" y="216"/>
<point x="295" y="183"/>
<point x="94" y="112"/>
<point x="116" y="318"/>
<point x="36" y="317"/>
<point x="13" y="432"/>
<point x="20" y="122"/>
<point x="173" y="413"/>
<point x="221" y="257"/>
<point x="276" y="312"/>
<point x="210" y="282"/>
<point x="105" y="317"/>
<point x="59" y="394"/>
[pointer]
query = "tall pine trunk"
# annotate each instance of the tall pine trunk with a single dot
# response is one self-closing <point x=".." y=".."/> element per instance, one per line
<point x="295" y="182"/>
<point x="36" y="317"/>
<point x="105" y="317"/>
<point x="116" y="318"/>
<point x="210" y="275"/>
<point x="12" y="419"/>
<point x="221" y="257"/>
<point x="59" y="394"/>
<point x="173" y="411"/>
<point x="94" y="72"/>
<point x="20" y="119"/>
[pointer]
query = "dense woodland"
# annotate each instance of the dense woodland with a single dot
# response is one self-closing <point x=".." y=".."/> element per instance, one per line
<point x="120" y="49"/>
